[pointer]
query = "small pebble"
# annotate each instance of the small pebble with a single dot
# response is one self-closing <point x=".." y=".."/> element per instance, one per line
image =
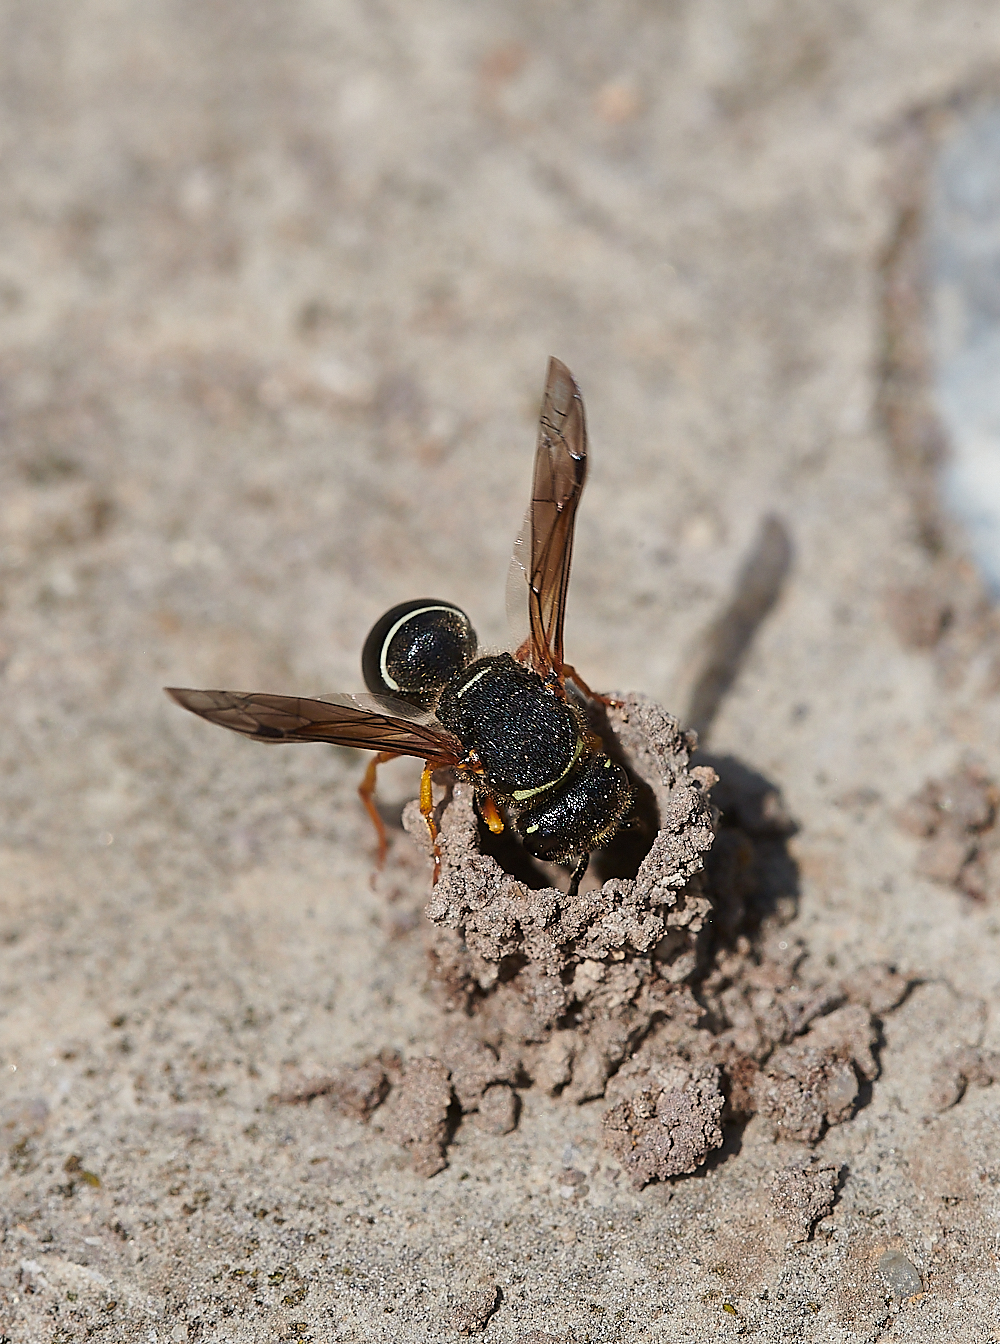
<point x="900" y="1274"/>
<point x="498" y="1110"/>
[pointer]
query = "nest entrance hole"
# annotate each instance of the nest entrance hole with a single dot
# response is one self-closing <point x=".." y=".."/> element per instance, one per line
<point x="621" y="857"/>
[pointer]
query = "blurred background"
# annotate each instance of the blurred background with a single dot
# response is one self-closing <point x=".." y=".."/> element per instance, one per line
<point x="278" y="285"/>
<point x="963" y="263"/>
<point x="278" y="288"/>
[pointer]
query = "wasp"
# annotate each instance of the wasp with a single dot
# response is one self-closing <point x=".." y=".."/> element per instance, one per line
<point x="515" y="724"/>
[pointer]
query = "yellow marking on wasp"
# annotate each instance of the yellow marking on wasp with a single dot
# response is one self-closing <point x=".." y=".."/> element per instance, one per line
<point x="472" y="681"/>
<point x="521" y="795"/>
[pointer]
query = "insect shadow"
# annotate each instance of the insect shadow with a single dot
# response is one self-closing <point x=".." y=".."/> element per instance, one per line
<point x="751" y="872"/>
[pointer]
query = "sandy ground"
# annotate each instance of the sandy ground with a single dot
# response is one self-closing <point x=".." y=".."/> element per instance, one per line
<point x="277" y="288"/>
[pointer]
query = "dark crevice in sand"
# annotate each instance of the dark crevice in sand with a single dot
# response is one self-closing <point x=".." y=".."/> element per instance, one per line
<point x="514" y="859"/>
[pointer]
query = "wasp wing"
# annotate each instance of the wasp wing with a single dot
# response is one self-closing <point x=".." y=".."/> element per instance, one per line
<point x="560" y="472"/>
<point x="368" y="722"/>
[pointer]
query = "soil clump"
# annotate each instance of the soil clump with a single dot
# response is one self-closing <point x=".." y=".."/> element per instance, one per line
<point x="668" y="989"/>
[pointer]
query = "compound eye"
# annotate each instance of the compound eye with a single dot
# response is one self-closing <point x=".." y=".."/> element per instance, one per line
<point x="415" y="649"/>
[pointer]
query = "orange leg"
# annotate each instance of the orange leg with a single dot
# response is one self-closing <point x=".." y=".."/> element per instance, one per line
<point x="427" y="804"/>
<point x="491" y="816"/>
<point x="570" y="671"/>
<point x="366" y="792"/>
<point x="427" y="812"/>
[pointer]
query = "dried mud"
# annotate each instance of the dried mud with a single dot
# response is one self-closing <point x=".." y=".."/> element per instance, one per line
<point x="669" y="992"/>
<point x="956" y="819"/>
<point x="803" y="1193"/>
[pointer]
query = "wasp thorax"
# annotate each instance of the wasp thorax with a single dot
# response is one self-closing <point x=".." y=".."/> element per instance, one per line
<point x="416" y="648"/>
<point x="526" y="738"/>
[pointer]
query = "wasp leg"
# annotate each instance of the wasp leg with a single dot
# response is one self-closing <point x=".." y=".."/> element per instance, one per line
<point x="427" y="812"/>
<point x="491" y="815"/>
<point x="366" y="792"/>
<point x="608" y="700"/>
<point x="577" y="878"/>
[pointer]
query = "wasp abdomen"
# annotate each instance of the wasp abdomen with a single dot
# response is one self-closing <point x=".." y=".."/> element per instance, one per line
<point x="416" y="648"/>
<point x="526" y="738"/>
<point x="582" y="814"/>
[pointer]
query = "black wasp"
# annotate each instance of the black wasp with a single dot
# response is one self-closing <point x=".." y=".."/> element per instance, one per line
<point x="504" y="721"/>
